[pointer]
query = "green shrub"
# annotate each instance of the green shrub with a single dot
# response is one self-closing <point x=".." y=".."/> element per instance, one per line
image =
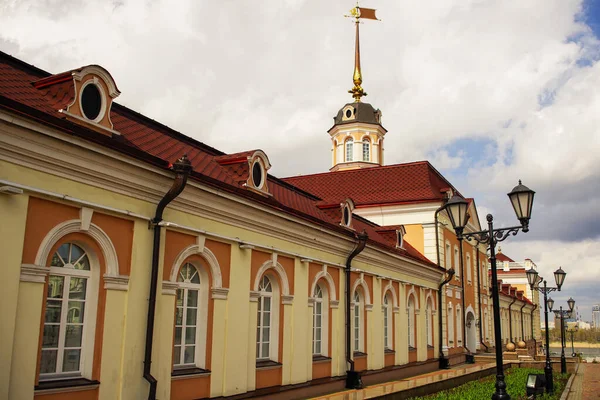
<point x="515" y="379"/>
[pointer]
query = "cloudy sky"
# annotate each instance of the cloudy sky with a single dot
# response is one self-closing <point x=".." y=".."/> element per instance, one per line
<point x="489" y="91"/>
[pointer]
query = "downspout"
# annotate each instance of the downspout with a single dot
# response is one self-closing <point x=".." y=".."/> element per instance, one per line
<point x="510" y="319"/>
<point x="522" y="326"/>
<point x="353" y="380"/>
<point x="443" y="361"/>
<point x="532" y="332"/>
<point x="182" y="168"/>
<point x="481" y="322"/>
<point x="462" y="285"/>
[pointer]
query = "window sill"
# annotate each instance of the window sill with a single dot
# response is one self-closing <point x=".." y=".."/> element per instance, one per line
<point x="267" y="364"/>
<point x="410" y="348"/>
<point x="359" y="354"/>
<point x="320" y="359"/>
<point x="180" y="372"/>
<point x="429" y="346"/>
<point x="66" y="385"/>
<point x="389" y="351"/>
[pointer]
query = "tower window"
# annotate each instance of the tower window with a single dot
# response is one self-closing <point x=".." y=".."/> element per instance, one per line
<point x="366" y="149"/>
<point x="91" y="101"/>
<point x="349" y="150"/>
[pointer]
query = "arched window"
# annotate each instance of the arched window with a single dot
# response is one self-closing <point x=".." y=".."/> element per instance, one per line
<point x="70" y="314"/>
<point x="458" y="326"/>
<point x="411" y="323"/>
<point x="448" y="256"/>
<point x="190" y="317"/>
<point x="366" y="149"/>
<point x="264" y="319"/>
<point x="349" y="150"/>
<point x="485" y="326"/>
<point x="428" y="323"/>
<point x="456" y="262"/>
<point x="387" y="323"/>
<point x="469" y="268"/>
<point x="450" y="319"/>
<point x="320" y="321"/>
<point x="358" y="305"/>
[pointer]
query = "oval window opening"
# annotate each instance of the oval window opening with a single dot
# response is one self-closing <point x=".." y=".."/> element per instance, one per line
<point x="348" y="113"/>
<point x="257" y="174"/>
<point x="346" y="216"/>
<point x="91" y="101"/>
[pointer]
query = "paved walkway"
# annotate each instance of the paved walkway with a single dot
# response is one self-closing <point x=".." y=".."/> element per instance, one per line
<point x="408" y="383"/>
<point x="586" y="384"/>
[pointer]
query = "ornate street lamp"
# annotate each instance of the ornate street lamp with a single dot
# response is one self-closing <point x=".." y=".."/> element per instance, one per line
<point x="521" y="198"/>
<point x="532" y="279"/>
<point x="562" y="314"/>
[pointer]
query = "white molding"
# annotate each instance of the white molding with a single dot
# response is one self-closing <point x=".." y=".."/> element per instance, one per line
<point x="392" y="289"/>
<point x="334" y="303"/>
<point x="206" y="254"/>
<point x="369" y="307"/>
<point x="34" y="273"/>
<point x="85" y="215"/>
<point x="94" y="231"/>
<point x="267" y="265"/>
<point x="103" y="74"/>
<point x="120" y="282"/>
<point x="169" y="288"/>
<point x="89" y="121"/>
<point x="362" y="283"/>
<point x="412" y="292"/>
<point x="287" y="299"/>
<point x="330" y="283"/>
<point x="254" y="296"/>
<point x="219" y="293"/>
<point x="311" y="301"/>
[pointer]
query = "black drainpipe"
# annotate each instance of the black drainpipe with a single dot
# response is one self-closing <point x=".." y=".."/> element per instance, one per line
<point x="182" y="168"/>
<point x="522" y="326"/>
<point x="532" y="333"/>
<point x="353" y="380"/>
<point x="444" y="363"/>
<point x="510" y="334"/>
<point x="481" y="322"/>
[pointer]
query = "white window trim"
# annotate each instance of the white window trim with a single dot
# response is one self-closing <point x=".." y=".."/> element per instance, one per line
<point x="349" y="145"/>
<point x="450" y="319"/>
<point x="448" y="250"/>
<point x="456" y="262"/>
<point x="361" y="327"/>
<point x="324" y="301"/>
<point x="201" y="317"/>
<point x="275" y="296"/>
<point x="412" y="321"/>
<point x="388" y="322"/>
<point x="459" y="336"/>
<point x="469" y="272"/>
<point x="90" y="313"/>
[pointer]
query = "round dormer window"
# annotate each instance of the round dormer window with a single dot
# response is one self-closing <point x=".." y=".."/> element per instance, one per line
<point x="257" y="174"/>
<point x="348" y="113"/>
<point x="91" y="101"/>
<point x="346" y="217"/>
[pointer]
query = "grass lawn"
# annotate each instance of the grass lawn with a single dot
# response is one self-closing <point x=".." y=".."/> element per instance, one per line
<point x="515" y="379"/>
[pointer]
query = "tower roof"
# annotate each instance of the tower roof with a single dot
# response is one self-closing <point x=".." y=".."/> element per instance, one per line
<point x="361" y="112"/>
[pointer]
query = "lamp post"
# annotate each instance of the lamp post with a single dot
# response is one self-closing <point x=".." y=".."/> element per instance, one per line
<point x="521" y="198"/>
<point x="532" y="279"/>
<point x="562" y="314"/>
<point x="572" y="328"/>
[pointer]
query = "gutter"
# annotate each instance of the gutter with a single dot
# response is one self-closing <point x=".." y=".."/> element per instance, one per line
<point x="353" y="380"/>
<point x="522" y="325"/>
<point x="182" y="168"/>
<point x="481" y="322"/>
<point x="535" y="306"/>
<point x="510" y="319"/>
<point x="444" y="363"/>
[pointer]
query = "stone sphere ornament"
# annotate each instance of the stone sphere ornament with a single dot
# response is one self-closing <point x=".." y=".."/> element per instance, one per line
<point x="510" y="347"/>
<point x="522" y="344"/>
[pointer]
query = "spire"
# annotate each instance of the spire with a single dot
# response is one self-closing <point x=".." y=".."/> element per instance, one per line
<point x="357" y="13"/>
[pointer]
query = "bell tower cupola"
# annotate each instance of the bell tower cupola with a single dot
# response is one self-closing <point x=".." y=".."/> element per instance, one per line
<point x="357" y="134"/>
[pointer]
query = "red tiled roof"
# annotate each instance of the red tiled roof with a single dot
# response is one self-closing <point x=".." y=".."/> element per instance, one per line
<point x="392" y="184"/>
<point x="503" y="257"/>
<point x="153" y="142"/>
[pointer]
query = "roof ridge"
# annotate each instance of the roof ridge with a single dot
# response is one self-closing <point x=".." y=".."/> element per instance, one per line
<point x="347" y="171"/>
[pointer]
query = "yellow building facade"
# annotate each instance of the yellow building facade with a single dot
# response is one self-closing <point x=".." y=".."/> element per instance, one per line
<point x="250" y="282"/>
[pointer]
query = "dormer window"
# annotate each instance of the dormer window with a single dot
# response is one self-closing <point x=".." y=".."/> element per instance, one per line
<point x="258" y="165"/>
<point x="91" y="101"/>
<point x="347" y="208"/>
<point x="348" y="113"/>
<point x="400" y="237"/>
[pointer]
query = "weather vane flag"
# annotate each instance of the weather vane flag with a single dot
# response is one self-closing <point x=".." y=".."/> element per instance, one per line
<point x="359" y="13"/>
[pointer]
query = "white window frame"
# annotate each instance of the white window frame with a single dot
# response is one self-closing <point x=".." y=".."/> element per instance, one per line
<point x="349" y="150"/>
<point x="412" y="325"/>
<point x="201" y="318"/>
<point x="366" y="149"/>
<point x="323" y="303"/>
<point x="459" y="336"/>
<point x="469" y="272"/>
<point x="450" y="319"/>
<point x="388" y="322"/>
<point x="428" y="323"/>
<point x="273" y="342"/>
<point x="358" y="310"/>
<point x="456" y="262"/>
<point x="448" y="255"/>
<point x="90" y="312"/>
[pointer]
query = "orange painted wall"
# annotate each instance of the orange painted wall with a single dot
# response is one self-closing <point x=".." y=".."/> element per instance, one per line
<point x="268" y="377"/>
<point x="321" y="369"/>
<point x="79" y="395"/>
<point x="190" y="388"/>
<point x="360" y="363"/>
<point x="390" y="359"/>
<point x="414" y="236"/>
